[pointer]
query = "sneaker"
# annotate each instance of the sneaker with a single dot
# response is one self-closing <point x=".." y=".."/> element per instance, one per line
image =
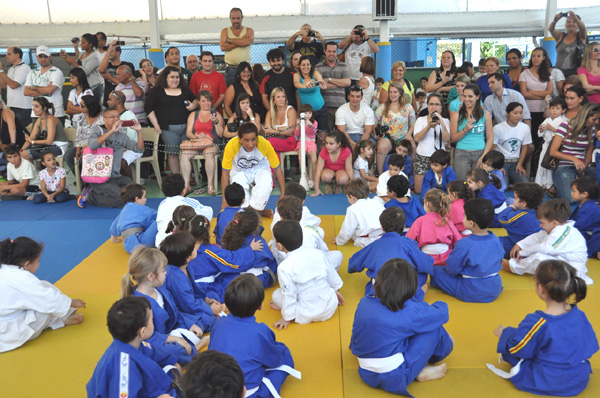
<point x="143" y="181"/>
<point x="311" y="184"/>
<point x="290" y="174"/>
<point x="83" y="198"/>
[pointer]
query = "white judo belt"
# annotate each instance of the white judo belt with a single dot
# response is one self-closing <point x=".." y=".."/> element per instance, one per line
<point x="436" y="248"/>
<point x="207" y="279"/>
<point x="284" y="368"/>
<point x="505" y="375"/>
<point x="188" y="335"/>
<point x="478" y="277"/>
<point x="499" y="209"/>
<point x="256" y="271"/>
<point x="381" y="365"/>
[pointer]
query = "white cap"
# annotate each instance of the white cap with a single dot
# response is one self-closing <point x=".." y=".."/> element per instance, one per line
<point x="43" y="50"/>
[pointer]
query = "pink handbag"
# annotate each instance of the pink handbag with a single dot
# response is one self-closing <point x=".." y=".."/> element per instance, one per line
<point x="96" y="165"/>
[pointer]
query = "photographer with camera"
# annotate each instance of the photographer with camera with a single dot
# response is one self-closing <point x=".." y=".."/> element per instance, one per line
<point x="108" y="69"/>
<point x="89" y="61"/>
<point x="570" y="45"/>
<point x="432" y="132"/>
<point x="310" y="45"/>
<point x="356" y="46"/>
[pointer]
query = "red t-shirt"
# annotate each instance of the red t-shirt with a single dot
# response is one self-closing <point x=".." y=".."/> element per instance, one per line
<point x="213" y="82"/>
<point x="341" y="161"/>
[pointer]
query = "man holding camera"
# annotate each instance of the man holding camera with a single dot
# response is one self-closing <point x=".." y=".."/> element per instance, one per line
<point x="134" y="90"/>
<point x="311" y="44"/>
<point x="357" y="46"/>
<point x="108" y="68"/>
<point x="355" y="119"/>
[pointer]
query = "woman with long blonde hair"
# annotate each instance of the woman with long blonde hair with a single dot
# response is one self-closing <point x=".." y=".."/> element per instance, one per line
<point x="589" y="72"/>
<point x="280" y="122"/>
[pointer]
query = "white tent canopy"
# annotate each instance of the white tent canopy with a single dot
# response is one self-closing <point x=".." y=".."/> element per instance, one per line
<point x="54" y="22"/>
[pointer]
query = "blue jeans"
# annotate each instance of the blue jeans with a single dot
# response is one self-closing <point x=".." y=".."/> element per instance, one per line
<point x="563" y="177"/>
<point x="511" y="174"/>
<point x="61" y="197"/>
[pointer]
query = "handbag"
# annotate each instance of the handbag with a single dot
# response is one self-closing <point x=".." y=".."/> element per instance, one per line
<point x="549" y="162"/>
<point x="96" y="165"/>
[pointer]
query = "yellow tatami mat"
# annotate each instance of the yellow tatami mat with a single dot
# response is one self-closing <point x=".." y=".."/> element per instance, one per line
<point x="59" y="363"/>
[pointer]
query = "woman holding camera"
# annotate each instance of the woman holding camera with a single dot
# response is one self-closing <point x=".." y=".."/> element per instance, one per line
<point x="243" y="113"/>
<point x="202" y="126"/>
<point x="395" y="122"/>
<point x="443" y="79"/>
<point x="431" y="133"/>
<point x="569" y="44"/>
<point x="89" y="61"/>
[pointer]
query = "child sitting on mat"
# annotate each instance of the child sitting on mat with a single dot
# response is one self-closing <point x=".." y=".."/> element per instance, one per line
<point x="440" y="172"/>
<point x="471" y="271"/>
<point x="266" y="363"/>
<point x="459" y="193"/>
<point x="136" y="223"/>
<point x="487" y="186"/>
<point x="131" y="367"/>
<point x="28" y="305"/>
<point x="310" y="285"/>
<point x="396" y="167"/>
<point x="585" y="192"/>
<point x="362" y="216"/>
<point x="398" y="192"/>
<point x="308" y="219"/>
<point x="235" y="196"/>
<point x="550" y="349"/>
<point x="396" y="338"/>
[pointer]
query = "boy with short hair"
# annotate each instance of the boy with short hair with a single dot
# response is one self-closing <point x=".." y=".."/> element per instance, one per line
<point x="421" y="101"/>
<point x="440" y="172"/>
<point x="585" y="192"/>
<point x="266" y="363"/>
<point x="398" y="188"/>
<point x="235" y="196"/>
<point x="136" y="223"/>
<point x="493" y="163"/>
<point x="471" y="271"/>
<point x="362" y="216"/>
<point x="21" y="175"/>
<point x="310" y="285"/>
<point x="519" y="218"/>
<point x="396" y="166"/>
<point x="173" y="187"/>
<point x="130" y="367"/>
<point x="213" y="374"/>
<point x="308" y="219"/>
<point x="558" y="107"/>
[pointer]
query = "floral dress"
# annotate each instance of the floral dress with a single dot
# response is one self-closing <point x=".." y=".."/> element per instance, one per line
<point x="398" y="122"/>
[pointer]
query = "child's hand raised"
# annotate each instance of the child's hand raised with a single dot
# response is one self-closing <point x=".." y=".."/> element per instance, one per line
<point x="498" y="331"/>
<point x="77" y="303"/>
<point x="281" y="324"/>
<point x="256" y="245"/>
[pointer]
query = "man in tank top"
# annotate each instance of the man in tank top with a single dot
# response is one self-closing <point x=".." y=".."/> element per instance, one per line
<point x="235" y="42"/>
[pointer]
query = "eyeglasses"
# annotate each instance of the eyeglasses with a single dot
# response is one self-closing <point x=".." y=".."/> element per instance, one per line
<point x="596" y="50"/>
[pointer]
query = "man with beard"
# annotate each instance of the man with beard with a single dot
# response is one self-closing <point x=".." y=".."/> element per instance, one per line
<point x="235" y="42"/>
<point x="278" y="76"/>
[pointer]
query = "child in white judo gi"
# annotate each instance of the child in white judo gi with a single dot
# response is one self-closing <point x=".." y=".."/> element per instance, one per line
<point x="310" y="285"/>
<point x="362" y="216"/>
<point x="558" y="240"/>
<point x="27" y="304"/>
<point x="308" y="219"/>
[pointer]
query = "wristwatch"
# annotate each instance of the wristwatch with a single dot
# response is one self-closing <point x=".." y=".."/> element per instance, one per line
<point x="228" y="41"/>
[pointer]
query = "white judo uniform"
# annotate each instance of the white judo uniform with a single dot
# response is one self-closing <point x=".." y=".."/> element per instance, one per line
<point x="362" y="223"/>
<point x="28" y="306"/>
<point x="168" y="206"/>
<point x="564" y="243"/>
<point x="308" y="219"/>
<point x="382" y="185"/>
<point x="308" y="285"/>
<point x="311" y="239"/>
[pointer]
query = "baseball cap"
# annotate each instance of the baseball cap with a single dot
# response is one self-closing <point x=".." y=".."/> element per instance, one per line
<point x="43" y="50"/>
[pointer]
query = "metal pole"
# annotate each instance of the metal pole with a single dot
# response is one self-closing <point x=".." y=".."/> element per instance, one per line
<point x="156" y="54"/>
<point x="303" y="178"/>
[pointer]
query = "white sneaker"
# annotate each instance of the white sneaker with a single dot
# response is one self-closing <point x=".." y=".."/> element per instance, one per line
<point x="311" y="184"/>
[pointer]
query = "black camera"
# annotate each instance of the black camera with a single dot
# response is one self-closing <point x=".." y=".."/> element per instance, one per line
<point x="120" y="43"/>
<point x="213" y="112"/>
<point x="564" y="14"/>
<point x="381" y="131"/>
<point x="75" y="40"/>
<point x="233" y="126"/>
<point x="359" y="31"/>
<point x="434" y="118"/>
<point x="311" y="33"/>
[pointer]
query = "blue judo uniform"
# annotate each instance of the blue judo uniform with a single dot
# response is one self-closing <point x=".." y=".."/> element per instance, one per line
<point x="408" y="168"/>
<point x="519" y="224"/>
<point x="413" y="209"/>
<point x="496" y="196"/>
<point x="554" y="350"/>
<point x="254" y="347"/>
<point x="587" y="221"/>
<point x="224" y="218"/>
<point x="391" y="245"/>
<point x="212" y="262"/>
<point x="165" y="320"/>
<point x="187" y="300"/>
<point x="134" y="215"/>
<point x="124" y="371"/>
<point x="414" y="336"/>
<point x="264" y="266"/>
<point x="429" y="180"/>
<point x="471" y="271"/>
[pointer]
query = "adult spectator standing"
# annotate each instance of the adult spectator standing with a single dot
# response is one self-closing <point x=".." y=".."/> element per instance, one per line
<point x="108" y="68"/>
<point x="310" y="85"/>
<point x="13" y="81"/>
<point x="367" y="81"/>
<point x="173" y="58"/>
<point x="355" y="119"/>
<point x="101" y="36"/>
<point x="357" y="46"/>
<point x="513" y="59"/>
<point x="278" y="76"/>
<point x="492" y="65"/>
<point x="47" y="81"/>
<point x="589" y="72"/>
<point x="235" y="41"/>
<point x="89" y="61"/>
<point x="443" y="79"/>
<point x="11" y="129"/>
<point x="398" y="73"/>
<point x="244" y="83"/>
<point x="117" y="101"/>
<point x="337" y="75"/>
<point x="147" y="73"/>
<point x="569" y="44"/>
<point x="501" y="97"/>
<point x="134" y="90"/>
<point x="210" y="80"/>
<point x="192" y="63"/>
<point x="311" y="43"/>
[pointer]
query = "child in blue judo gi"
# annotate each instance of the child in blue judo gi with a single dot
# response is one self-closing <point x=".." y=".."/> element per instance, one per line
<point x="440" y="172"/>
<point x="235" y="196"/>
<point x="136" y="223"/>
<point x="391" y="245"/>
<point x="398" y="192"/>
<point x="551" y="348"/>
<point x="487" y="186"/>
<point x="266" y="363"/>
<point x="213" y="374"/>
<point x="585" y="192"/>
<point x="130" y="366"/>
<point x="395" y="338"/>
<point x="471" y="271"/>
<point x="519" y="218"/>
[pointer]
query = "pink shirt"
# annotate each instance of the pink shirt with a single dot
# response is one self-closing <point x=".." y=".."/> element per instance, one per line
<point x="534" y="84"/>
<point x="426" y="230"/>
<point x="341" y="161"/>
<point x="593" y="81"/>
<point x="457" y="214"/>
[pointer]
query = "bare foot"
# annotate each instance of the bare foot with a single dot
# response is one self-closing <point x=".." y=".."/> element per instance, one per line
<point x="328" y="189"/>
<point x="425" y="288"/>
<point x="339" y="189"/>
<point x="506" y="265"/>
<point x="266" y="213"/>
<point x="203" y="343"/>
<point x="74" y="319"/>
<point x="29" y="198"/>
<point x="430" y="372"/>
<point x="273" y="306"/>
<point x="452" y="338"/>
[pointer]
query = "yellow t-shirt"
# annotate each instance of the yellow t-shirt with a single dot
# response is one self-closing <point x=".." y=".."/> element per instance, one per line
<point x="235" y="157"/>
<point x="238" y="54"/>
